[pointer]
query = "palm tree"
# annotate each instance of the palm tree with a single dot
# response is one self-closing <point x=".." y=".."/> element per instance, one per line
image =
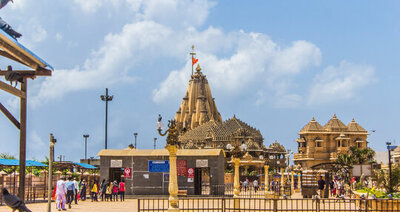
<point x="361" y="156"/>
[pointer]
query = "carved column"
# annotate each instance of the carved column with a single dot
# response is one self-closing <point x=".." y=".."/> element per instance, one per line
<point x="266" y="177"/>
<point x="173" y="179"/>
<point x="299" y="181"/>
<point x="236" y="184"/>
<point x="282" y="181"/>
<point x="292" y="181"/>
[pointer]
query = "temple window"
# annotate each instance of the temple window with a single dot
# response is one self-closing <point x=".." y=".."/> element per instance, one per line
<point x="338" y="143"/>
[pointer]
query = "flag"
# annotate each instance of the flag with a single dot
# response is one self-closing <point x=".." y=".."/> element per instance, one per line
<point x="194" y="61"/>
<point x="4" y="2"/>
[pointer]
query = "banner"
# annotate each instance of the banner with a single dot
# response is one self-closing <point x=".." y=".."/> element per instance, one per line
<point x="190" y="172"/>
<point x="181" y="167"/>
<point x="127" y="172"/>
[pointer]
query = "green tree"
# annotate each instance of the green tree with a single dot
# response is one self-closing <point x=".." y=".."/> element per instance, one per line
<point x="6" y="156"/>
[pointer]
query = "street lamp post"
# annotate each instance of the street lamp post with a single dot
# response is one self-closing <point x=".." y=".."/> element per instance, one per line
<point x="51" y="158"/>
<point x="106" y="98"/>
<point x="172" y="147"/>
<point x="237" y="152"/>
<point x="135" y="134"/>
<point x="86" y="136"/>
<point x="390" y="165"/>
<point x="155" y="140"/>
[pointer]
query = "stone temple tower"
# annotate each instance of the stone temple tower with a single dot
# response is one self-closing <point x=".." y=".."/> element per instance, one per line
<point x="198" y="105"/>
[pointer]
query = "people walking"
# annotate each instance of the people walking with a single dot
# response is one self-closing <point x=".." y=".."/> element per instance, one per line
<point x="83" y="190"/>
<point x="321" y="186"/>
<point x="103" y="187"/>
<point x="255" y="185"/>
<point x="115" y="190"/>
<point x="61" y="191"/>
<point x="76" y="192"/>
<point x="122" y="190"/>
<point x="70" y="191"/>
<point x="109" y="188"/>
<point x="93" y="191"/>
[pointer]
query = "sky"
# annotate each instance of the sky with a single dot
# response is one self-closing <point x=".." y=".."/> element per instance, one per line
<point x="273" y="64"/>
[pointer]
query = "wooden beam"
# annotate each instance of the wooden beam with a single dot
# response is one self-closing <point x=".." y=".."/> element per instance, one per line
<point x="22" y="142"/>
<point x="30" y="73"/>
<point x="10" y="116"/>
<point x="9" y="56"/>
<point x="10" y="89"/>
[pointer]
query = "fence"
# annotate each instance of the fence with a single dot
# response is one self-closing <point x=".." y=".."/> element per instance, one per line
<point x="273" y="205"/>
<point x="249" y="192"/>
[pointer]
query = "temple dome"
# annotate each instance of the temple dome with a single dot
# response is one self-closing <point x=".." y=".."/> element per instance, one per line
<point x="312" y="126"/>
<point x="353" y="126"/>
<point x="335" y="125"/>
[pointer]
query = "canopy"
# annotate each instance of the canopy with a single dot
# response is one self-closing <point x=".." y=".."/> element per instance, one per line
<point x="12" y="49"/>
<point x="13" y="162"/>
<point x="86" y="166"/>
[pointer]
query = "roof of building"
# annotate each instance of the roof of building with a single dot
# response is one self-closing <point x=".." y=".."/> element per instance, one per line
<point x="221" y="131"/>
<point x="312" y="126"/>
<point x="353" y="126"/>
<point x="160" y="152"/>
<point x="335" y="125"/>
<point x="86" y="166"/>
<point x="14" y="162"/>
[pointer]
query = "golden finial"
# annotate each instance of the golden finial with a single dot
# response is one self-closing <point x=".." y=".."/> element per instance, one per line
<point x="198" y="68"/>
<point x="192" y="47"/>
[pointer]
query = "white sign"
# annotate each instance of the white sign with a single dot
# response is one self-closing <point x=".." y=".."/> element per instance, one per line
<point x="190" y="180"/>
<point x="201" y="163"/>
<point x="116" y="164"/>
<point x="366" y="170"/>
<point x="146" y="176"/>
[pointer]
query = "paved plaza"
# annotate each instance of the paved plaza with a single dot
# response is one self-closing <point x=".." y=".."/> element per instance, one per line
<point x="128" y="205"/>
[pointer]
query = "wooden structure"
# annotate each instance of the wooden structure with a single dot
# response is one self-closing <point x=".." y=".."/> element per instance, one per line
<point x="318" y="144"/>
<point x="11" y="49"/>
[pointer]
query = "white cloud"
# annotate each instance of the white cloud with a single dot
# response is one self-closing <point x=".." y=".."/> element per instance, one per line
<point x="257" y="63"/>
<point x="59" y="36"/>
<point x="89" y="6"/>
<point x="32" y="32"/>
<point x="35" y="143"/>
<point x="340" y="83"/>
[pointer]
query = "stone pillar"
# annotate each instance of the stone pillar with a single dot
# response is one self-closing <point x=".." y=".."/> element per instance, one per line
<point x="292" y="181"/>
<point x="173" y="179"/>
<point x="236" y="183"/>
<point x="299" y="181"/>
<point x="266" y="177"/>
<point x="282" y="181"/>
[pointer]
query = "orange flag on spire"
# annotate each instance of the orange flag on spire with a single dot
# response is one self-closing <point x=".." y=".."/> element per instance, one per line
<point x="194" y="61"/>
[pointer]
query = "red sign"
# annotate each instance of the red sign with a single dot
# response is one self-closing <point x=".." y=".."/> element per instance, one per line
<point x="190" y="172"/>
<point x="181" y="167"/>
<point x="127" y="172"/>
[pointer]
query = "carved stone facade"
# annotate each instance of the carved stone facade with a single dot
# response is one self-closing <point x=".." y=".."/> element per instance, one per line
<point x="198" y="105"/>
<point x="318" y="144"/>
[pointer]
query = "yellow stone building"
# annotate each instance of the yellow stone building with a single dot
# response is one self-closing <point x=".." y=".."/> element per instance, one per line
<point x="319" y="144"/>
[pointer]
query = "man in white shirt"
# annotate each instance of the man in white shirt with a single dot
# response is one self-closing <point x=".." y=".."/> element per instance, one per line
<point x="61" y="191"/>
<point x="76" y="184"/>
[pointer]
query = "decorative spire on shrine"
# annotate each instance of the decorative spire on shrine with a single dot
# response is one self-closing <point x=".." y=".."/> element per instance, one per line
<point x="198" y="105"/>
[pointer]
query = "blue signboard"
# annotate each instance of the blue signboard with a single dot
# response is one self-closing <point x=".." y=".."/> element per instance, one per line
<point x="158" y="166"/>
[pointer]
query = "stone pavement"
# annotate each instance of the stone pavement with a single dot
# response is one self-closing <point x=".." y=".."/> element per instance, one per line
<point x="128" y="205"/>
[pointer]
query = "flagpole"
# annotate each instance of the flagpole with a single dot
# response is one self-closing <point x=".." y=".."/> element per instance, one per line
<point x="192" y="53"/>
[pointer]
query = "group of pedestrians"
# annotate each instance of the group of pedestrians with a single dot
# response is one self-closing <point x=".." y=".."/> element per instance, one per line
<point x="66" y="192"/>
<point x="108" y="190"/>
<point x="111" y="190"/>
<point x="70" y="190"/>
<point x="336" y="186"/>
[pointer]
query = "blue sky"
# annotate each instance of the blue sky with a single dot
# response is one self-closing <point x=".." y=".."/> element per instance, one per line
<point x="275" y="64"/>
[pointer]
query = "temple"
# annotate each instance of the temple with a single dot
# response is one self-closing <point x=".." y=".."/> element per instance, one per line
<point x="319" y="145"/>
<point x="198" y="105"/>
<point x="201" y="127"/>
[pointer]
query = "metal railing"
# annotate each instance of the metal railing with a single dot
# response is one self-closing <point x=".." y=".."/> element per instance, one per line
<point x="273" y="205"/>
